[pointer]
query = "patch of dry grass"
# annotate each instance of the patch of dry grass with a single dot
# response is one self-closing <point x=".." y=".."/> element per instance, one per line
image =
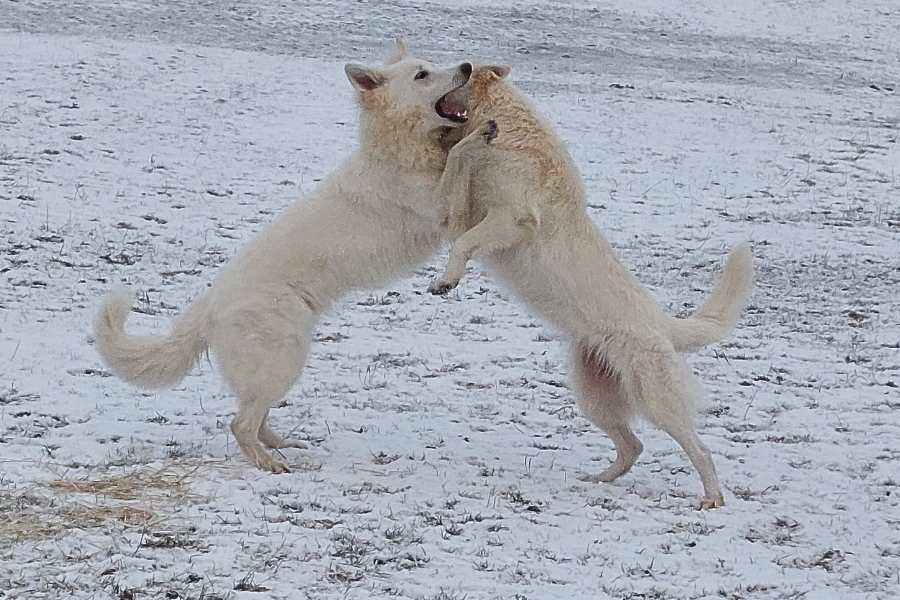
<point x="136" y="497"/>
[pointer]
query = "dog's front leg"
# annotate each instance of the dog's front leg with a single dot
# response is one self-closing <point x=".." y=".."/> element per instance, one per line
<point x="452" y="194"/>
<point x="500" y="229"/>
<point x="454" y="188"/>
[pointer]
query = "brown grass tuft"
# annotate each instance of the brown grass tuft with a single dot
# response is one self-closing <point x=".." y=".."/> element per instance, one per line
<point x="136" y="497"/>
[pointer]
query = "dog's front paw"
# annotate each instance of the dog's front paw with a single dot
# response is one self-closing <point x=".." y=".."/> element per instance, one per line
<point x="489" y="131"/>
<point x="442" y="286"/>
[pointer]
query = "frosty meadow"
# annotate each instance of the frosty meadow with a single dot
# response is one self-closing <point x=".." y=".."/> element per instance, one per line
<point x="146" y="145"/>
<point x="380" y="215"/>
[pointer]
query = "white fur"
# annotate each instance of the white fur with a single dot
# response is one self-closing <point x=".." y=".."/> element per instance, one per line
<point x="519" y="202"/>
<point x="372" y="220"/>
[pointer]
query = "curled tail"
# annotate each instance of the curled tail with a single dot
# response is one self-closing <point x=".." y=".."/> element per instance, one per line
<point x="722" y="309"/>
<point x="150" y="361"/>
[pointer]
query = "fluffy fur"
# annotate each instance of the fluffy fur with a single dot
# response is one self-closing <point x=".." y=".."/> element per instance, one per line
<point x="372" y="220"/>
<point x="518" y="201"/>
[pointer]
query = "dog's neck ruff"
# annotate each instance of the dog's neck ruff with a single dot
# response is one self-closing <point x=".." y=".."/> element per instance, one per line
<point x="395" y="139"/>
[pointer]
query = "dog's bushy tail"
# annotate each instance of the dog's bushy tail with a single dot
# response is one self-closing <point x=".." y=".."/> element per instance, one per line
<point x="722" y="309"/>
<point x="149" y="361"/>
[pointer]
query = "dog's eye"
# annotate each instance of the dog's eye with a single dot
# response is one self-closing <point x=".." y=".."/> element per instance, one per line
<point x="421" y="75"/>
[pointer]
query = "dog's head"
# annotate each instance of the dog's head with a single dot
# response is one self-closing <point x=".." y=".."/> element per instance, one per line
<point x="404" y="92"/>
<point x="465" y="99"/>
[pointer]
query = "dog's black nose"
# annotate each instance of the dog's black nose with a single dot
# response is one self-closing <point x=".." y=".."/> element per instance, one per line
<point x="466" y="69"/>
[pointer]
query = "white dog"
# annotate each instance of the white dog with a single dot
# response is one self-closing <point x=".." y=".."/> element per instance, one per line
<point x="372" y="220"/>
<point x="519" y="202"/>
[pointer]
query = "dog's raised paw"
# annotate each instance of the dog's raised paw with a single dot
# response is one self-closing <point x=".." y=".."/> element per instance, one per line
<point x="489" y="131"/>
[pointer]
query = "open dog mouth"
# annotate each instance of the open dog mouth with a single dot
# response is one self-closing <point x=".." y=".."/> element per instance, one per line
<point x="451" y="107"/>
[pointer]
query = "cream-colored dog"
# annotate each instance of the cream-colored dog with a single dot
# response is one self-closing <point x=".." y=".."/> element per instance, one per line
<point x="518" y="201"/>
<point x="372" y="220"/>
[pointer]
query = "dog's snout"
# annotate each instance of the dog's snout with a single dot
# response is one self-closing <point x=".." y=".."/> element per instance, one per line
<point x="466" y="69"/>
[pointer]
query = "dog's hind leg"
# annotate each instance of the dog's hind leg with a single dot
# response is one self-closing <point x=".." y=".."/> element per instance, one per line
<point x="261" y="353"/>
<point x="665" y="392"/>
<point x="701" y="457"/>
<point x="245" y="426"/>
<point x="601" y="400"/>
<point x="270" y="439"/>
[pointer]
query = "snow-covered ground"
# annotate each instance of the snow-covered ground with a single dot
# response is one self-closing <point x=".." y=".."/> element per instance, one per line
<point x="145" y="142"/>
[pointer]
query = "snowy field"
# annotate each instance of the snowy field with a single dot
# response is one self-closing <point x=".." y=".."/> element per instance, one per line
<point x="146" y="142"/>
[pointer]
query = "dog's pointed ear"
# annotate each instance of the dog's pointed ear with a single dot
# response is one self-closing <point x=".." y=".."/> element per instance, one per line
<point x="363" y="78"/>
<point x="500" y="71"/>
<point x="398" y="52"/>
